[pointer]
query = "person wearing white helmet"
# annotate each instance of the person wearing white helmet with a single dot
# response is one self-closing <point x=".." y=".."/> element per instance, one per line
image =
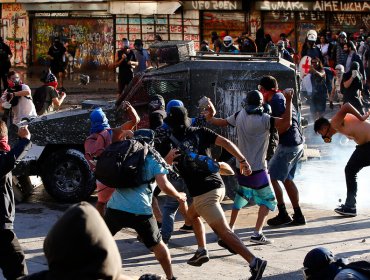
<point x="310" y="48"/>
<point x="227" y="46"/>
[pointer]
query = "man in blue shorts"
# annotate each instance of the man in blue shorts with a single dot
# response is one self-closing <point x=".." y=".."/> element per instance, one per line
<point x="253" y="130"/>
<point x="283" y="164"/>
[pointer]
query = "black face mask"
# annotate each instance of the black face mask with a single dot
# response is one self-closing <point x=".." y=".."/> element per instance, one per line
<point x="355" y="66"/>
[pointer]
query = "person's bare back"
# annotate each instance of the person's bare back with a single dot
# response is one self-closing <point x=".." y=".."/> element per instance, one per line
<point x="354" y="129"/>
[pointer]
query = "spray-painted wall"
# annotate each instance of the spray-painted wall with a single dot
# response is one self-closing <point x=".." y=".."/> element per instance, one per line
<point x="14" y="30"/>
<point x="95" y="42"/>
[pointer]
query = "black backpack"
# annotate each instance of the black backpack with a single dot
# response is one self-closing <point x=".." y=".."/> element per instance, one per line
<point x="39" y="97"/>
<point x="121" y="164"/>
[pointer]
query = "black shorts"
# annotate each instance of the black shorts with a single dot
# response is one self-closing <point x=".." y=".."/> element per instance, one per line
<point x="145" y="225"/>
<point x="59" y="68"/>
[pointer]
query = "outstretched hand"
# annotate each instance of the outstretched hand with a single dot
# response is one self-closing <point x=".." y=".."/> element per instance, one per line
<point x="210" y="110"/>
<point x="288" y="93"/>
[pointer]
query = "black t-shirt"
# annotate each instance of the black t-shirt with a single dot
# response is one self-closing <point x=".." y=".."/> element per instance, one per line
<point x="57" y="52"/>
<point x="124" y="67"/>
<point x="197" y="140"/>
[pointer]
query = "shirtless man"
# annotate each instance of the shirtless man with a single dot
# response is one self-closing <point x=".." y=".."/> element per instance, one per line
<point x="349" y="122"/>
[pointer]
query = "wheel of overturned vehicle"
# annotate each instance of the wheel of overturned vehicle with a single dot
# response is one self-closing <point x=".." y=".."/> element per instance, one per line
<point x="67" y="176"/>
<point x="22" y="188"/>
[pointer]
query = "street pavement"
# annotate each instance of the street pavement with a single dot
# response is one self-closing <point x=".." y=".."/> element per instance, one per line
<point x="321" y="184"/>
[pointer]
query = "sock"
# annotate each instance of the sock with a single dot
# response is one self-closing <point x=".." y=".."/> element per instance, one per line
<point x="201" y="249"/>
<point x="282" y="209"/>
<point x="257" y="233"/>
<point x="253" y="262"/>
<point x="297" y="211"/>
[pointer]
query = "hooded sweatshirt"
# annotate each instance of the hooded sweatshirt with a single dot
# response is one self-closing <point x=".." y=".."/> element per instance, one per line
<point x="80" y="247"/>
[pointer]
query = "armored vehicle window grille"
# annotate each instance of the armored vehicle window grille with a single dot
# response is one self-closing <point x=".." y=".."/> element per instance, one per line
<point x="165" y="87"/>
<point x="240" y="85"/>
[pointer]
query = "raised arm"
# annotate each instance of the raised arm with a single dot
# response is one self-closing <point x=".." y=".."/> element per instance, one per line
<point x="283" y="123"/>
<point x="134" y="117"/>
<point x="209" y="114"/>
<point x="338" y="120"/>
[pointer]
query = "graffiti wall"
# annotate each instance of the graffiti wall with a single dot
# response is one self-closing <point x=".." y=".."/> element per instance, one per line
<point x="94" y="37"/>
<point x="224" y="23"/>
<point x="14" y="30"/>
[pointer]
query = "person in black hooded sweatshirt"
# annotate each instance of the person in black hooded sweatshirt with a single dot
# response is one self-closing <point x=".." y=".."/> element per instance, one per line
<point x="80" y="247"/>
<point x="12" y="259"/>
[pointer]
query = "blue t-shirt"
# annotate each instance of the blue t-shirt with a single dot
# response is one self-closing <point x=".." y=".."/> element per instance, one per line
<point x="138" y="200"/>
<point x="293" y="136"/>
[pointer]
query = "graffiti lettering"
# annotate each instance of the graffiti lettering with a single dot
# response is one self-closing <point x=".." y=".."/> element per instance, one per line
<point x="366" y="21"/>
<point x="194" y="37"/>
<point x="321" y="6"/>
<point x="345" y="19"/>
<point x="312" y="16"/>
<point x="280" y="5"/>
<point x="213" y="5"/>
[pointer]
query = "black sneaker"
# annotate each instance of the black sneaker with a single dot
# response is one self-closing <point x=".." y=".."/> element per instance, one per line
<point x="199" y="258"/>
<point x="186" y="228"/>
<point x="258" y="269"/>
<point x="346" y="211"/>
<point x="260" y="239"/>
<point x="280" y="219"/>
<point x="223" y="245"/>
<point x="298" y="220"/>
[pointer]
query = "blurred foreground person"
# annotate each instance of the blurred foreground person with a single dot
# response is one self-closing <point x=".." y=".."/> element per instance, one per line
<point x="80" y="247"/>
<point x="12" y="259"/>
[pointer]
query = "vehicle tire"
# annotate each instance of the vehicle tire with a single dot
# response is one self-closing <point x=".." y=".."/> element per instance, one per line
<point x="22" y="188"/>
<point x="67" y="177"/>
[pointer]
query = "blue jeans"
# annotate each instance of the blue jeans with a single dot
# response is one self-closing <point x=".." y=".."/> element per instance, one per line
<point x="170" y="208"/>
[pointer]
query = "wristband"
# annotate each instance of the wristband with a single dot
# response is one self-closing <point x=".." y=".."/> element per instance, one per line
<point x="243" y="161"/>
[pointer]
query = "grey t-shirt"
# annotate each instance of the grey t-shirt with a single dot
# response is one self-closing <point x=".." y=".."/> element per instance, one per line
<point x="253" y="137"/>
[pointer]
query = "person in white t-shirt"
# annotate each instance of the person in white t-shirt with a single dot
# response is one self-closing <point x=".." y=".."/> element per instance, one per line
<point x="18" y="96"/>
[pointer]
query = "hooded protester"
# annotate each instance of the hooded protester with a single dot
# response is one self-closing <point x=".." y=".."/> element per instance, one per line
<point x="352" y="86"/>
<point x="80" y="247"/>
<point x="12" y="259"/>
<point x="102" y="135"/>
<point x="319" y="89"/>
<point x="132" y="207"/>
<point x="46" y="98"/>
<point x="205" y="185"/>
<point x="253" y="125"/>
